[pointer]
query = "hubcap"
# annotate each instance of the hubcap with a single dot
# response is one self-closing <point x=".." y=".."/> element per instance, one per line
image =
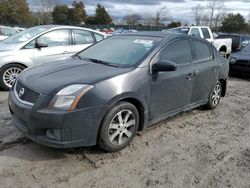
<point x="216" y="95"/>
<point x="10" y="75"/>
<point x="121" y="127"/>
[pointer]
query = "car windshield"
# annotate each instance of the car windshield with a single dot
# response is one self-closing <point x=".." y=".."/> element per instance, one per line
<point x="24" y="35"/>
<point x="122" y="51"/>
<point x="247" y="49"/>
<point x="179" y="30"/>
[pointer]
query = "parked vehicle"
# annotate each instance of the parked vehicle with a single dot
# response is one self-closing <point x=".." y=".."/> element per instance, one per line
<point x="239" y="41"/>
<point x="122" y="31"/>
<point x="5" y="32"/>
<point x="224" y="46"/>
<point x="240" y="61"/>
<point x="109" y="91"/>
<point x="39" y="45"/>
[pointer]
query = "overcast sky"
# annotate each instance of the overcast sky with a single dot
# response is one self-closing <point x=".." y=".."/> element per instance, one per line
<point x="178" y="9"/>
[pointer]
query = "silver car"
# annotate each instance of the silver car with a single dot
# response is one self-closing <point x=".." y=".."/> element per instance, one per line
<point x="5" y="32"/>
<point x="41" y="44"/>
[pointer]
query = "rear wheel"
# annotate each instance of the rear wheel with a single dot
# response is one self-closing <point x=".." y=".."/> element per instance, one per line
<point x="8" y="75"/>
<point x="215" y="96"/>
<point x="119" y="127"/>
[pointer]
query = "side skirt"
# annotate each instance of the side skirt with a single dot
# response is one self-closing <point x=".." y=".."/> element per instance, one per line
<point x="176" y="112"/>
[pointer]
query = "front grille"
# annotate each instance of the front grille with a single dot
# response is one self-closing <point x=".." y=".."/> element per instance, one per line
<point x="26" y="94"/>
<point x="242" y="63"/>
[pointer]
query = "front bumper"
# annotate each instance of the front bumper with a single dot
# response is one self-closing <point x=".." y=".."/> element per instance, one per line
<point x="239" y="69"/>
<point x="55" y="128"/>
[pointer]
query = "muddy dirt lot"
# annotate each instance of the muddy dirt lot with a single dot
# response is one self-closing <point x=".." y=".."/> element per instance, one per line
<point x="197" y="149"/>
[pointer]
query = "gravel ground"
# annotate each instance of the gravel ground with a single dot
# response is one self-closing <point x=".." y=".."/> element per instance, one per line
<point x="197" y="149"/>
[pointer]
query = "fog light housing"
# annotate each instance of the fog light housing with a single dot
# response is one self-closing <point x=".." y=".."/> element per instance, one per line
<point x="54" y="134"/>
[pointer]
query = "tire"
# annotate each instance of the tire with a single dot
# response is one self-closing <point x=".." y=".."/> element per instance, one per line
<point x="8" y="74"/>
<point x="119" y="127"/>
<point x="215" y="96"/>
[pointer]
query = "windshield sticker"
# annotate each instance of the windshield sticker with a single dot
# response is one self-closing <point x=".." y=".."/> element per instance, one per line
<point x="146" y="42"/>
<point x="184" y="29"/>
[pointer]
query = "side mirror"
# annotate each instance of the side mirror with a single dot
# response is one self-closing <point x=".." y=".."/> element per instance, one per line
<point x="164" y="66"/>
<point x="41" y="45"/>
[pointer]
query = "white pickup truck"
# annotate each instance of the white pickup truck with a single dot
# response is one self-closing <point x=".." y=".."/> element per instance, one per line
<point x="224" y="46"/>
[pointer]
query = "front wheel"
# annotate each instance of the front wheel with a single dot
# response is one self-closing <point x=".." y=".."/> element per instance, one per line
<point x="8" y="75"/>
<point x="118" y="127"/>
<point x="215" y="96"/>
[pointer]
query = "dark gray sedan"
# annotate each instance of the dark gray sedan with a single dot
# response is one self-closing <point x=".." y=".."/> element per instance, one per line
<point x="116" y="87"/>
<point x="240" y="61"/>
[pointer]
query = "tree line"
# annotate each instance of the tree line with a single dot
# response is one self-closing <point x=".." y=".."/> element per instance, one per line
<point x="214" y="14"/>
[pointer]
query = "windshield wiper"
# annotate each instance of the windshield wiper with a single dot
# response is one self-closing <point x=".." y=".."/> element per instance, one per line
<point x="101" y="62"/>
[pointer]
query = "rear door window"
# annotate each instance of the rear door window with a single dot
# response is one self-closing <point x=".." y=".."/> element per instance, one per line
<point x="203" y="52"/>
<point x="178" y="51"/>
<point x="206" y="33"/>
<point x="82" y="37"/>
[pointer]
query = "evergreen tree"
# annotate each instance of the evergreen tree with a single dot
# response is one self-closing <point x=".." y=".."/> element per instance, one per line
<point x="60" y="14"/>
<point x="234" y="23"/>
<point x="78" y="13"/>
<point x="15" y="12"/>
<point x="102" y="16"/>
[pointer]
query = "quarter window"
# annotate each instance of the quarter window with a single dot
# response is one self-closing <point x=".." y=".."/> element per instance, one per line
<point x="98" y="37"/>
<point x="178" y="52"/>
<point x="55" y="38"/>
<point x="83" y="37"/>
<point x="203" y="52"/>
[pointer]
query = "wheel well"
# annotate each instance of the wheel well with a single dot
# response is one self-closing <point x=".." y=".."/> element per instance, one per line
<point x="223" y="49"/>
<point x="16" y="64"/>
<point x="140" y="109"/>
<point x="224" y="86"/>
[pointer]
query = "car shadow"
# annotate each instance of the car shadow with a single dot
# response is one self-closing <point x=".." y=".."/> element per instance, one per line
<point x="240" y="76"/>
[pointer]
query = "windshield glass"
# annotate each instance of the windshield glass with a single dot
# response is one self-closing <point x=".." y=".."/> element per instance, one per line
<point x="24" y="35"/>
<point x="179" y="30"/>
<point x="123" y="51"/>
<point x="247" y="49"/>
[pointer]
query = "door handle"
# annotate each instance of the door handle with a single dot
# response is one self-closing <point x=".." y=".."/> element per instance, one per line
<point x="214" y="69"/>
<point x="66" y="52"/>
<point x="189" y="76"/>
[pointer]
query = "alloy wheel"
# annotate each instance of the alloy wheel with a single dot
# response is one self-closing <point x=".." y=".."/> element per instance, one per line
<point x="10" y="75"/>
<point x="121" y="127"/>
<point x="216" y="94"/>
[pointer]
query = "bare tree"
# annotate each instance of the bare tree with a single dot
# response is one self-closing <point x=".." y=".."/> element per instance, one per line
<point x="198" y="13"/>
<point x="205" y="20"/>
<point x="132" y="19"/>
<point x="220" y="16"/>
<point x="214" y="5"/>
<point x="45" y="7"/>
<point x="161" y="16"/>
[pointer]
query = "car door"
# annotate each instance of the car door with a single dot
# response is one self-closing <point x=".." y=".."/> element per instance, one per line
<point x="170" y="91"/>
<point x="81" y="39"/>
<point x="57" y="45"/>
<point x="205" y="68"/>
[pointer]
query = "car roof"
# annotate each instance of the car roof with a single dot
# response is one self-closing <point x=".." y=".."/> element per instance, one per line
<point x="154" y="34"/>
<point x="51" y="27"/>
<point x="163" y="35"/>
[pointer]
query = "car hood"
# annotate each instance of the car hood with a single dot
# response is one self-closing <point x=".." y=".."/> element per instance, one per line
<point x="50" y="78"/>
<point x="241" y="55"/>
<point x="7" y="47"/>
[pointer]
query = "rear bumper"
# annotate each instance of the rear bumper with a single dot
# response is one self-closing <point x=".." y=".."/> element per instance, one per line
<point x="54" y="128"/>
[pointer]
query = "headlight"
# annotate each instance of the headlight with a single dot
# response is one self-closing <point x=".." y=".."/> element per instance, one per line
<point x="232" y="59"/>
<point x="68" y="98"/>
